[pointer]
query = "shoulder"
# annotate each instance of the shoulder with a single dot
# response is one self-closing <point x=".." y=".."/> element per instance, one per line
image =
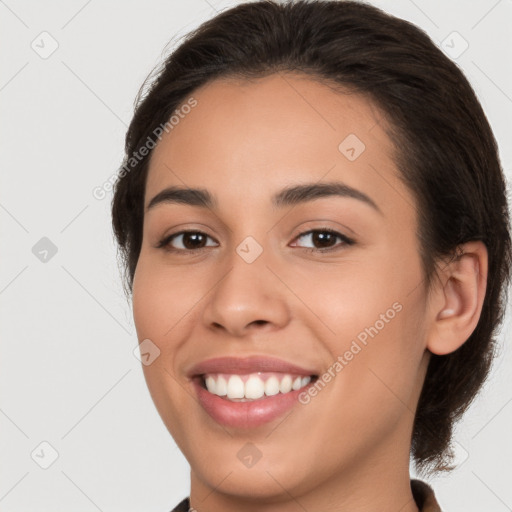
<point x="182" y="506"/>
<point x="424" y="496"/>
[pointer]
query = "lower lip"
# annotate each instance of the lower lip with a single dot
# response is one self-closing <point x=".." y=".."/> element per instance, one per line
<point x="246" y="414"/>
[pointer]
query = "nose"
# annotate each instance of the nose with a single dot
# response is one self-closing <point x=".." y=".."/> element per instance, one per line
<point x="248" y="298"/>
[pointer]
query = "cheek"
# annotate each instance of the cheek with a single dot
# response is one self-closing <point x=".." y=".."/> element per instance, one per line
<point x="162" y="300"/>
<point x="156" y="313"/>
<point x="148" y="306"/>
<point x="349" y="297"/>
<point x="382" y="373"/>
<point x="371" y="314"/>
<point x="157" y="310"/>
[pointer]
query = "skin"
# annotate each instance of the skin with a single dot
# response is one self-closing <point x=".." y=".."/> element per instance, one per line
<point x="348" y="448"/>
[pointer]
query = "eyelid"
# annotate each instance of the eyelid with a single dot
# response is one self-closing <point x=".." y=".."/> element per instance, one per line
<point x="324" y="224"/>
<point x="164" y="242"/>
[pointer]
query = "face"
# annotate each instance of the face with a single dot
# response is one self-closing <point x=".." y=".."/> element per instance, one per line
<point x="323" y="282"/>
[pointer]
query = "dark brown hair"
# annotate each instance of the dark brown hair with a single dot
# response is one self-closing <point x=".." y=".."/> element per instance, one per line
<point x="445" y="152"/>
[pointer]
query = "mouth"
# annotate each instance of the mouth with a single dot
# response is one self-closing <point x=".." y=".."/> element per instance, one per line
<point x="248" y="392"/>
<point x="251" y="387"/>
<point x="237" y="400"/>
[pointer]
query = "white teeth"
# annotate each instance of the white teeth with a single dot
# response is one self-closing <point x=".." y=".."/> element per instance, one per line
<point x="271" y="386"/>
<point x="235" y="387"/>
<point x="286" y="384"/>
<point x="253" y="387"/>
<point x="222" y="386"/>
<point x="210" y="383"/>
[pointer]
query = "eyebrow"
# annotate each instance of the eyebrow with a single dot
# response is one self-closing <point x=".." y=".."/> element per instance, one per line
<point x="289" y="196"/>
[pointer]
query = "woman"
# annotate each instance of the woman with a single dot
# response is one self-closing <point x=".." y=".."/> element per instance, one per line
<point x="314" y="226"/>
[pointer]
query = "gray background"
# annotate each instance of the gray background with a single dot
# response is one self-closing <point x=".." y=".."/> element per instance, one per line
<point x="68" y="374"/>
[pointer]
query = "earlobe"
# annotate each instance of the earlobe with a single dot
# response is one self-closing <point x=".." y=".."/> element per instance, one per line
<point x="460" y="294"/>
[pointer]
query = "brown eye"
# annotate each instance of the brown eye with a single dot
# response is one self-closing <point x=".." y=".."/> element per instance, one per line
<point x="185" y="241"/>
<point x="324" y="239"/>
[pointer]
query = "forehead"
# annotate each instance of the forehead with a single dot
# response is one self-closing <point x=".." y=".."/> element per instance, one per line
<point x="265" y="133"/>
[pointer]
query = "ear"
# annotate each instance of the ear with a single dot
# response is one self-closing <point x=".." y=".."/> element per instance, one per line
<point x="456" y="299"/>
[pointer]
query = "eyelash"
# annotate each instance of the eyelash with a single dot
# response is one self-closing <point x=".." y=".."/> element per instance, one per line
<point x="165" y="242"/>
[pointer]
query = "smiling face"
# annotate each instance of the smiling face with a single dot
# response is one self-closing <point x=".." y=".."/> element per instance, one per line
<point x="326" y="278"/>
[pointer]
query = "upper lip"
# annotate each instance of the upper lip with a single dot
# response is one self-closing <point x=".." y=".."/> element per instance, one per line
<point x="244" y="365"/>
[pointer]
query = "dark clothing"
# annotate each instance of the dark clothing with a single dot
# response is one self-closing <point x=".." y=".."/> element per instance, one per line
<point x="422" y="492"/>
